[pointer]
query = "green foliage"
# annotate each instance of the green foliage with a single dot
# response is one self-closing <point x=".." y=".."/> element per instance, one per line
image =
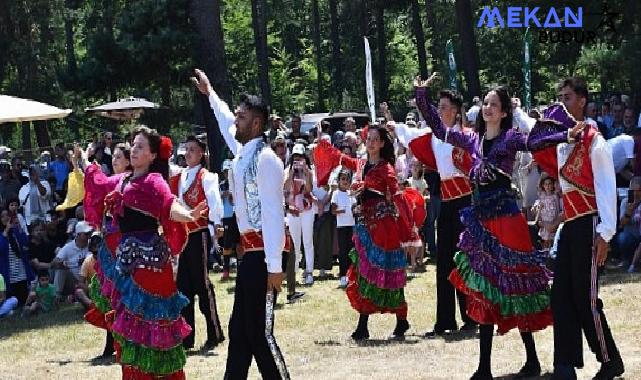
<point x="146" y="48"/>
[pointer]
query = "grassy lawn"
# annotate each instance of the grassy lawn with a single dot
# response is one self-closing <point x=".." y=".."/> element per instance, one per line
<point x="314" y="337"/>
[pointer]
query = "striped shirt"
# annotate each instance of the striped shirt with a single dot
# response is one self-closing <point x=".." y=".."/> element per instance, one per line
<point x="17" y="270"/>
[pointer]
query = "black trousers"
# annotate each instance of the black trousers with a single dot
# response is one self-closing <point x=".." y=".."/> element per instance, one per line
<point x="20" y="290"/>
<point x="345" y="244"/>
<point x="449" y="228"/>
<point x="192" y="280"/>
<point x="251" y="324"/>
<point x="575" y="304"/>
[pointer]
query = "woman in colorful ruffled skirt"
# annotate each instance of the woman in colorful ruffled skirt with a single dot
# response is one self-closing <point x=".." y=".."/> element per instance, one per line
<point x="135" y="274"/>
<point x="503" y="276"/>
<point x="376" y="278"/>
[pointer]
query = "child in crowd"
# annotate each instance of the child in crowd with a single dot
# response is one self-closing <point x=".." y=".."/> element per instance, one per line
<point x="548" y="211"/>
<point x="43" y="297"/>
<point x="341" y="206"/>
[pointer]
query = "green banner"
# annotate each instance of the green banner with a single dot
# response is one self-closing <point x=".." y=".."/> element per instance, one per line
<point x="527" y="72"/>
<point x="449" y="48"/>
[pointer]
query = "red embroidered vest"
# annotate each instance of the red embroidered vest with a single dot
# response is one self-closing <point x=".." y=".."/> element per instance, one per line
<point x="577" y="171"/>
<point x="192" y="197"/>
<point x="451" y="188"/>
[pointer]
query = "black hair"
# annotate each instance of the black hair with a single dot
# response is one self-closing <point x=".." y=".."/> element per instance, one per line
<point x="346" y="172"/>
<point x="158" y="165"/>
<point x="13" y="200"/>
<point x="43" y="273"/>
<point x="126" y="151"/>
<point x="387" y="151"/>
<point x="577" y="85"/>
<point x="257" y="106"/>
<point x="202" y="145"/>
<point x="454" y="97"/>
<point x="506" y="106"/>
<point x="13" y="242"/>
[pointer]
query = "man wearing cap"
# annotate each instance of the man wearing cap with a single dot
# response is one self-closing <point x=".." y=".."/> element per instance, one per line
<point x="194" y="185"/>
<point x="69" y="259"/>
<point x="257" y="181"/>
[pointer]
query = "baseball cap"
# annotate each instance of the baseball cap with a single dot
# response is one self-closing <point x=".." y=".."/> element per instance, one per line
<point x="298" y="149"/>
<point x="83" y="227"/>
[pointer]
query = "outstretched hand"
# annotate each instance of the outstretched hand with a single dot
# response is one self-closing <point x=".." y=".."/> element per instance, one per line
<point x="201" y="82"/>
<point x="419" y="82"/>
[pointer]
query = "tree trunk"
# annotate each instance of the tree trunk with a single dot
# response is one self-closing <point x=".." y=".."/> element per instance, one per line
<point x="259" y="22"/>
<point x="468" y="45"/>
<point x="26" y="141"/>
<point x="337" y="63"/>
<point x="210" y="57"/>
<point x="319" y="66"/>
<point x="420" y="38"/>
<point x="435" y="51"/>
<point x="71" y="50"/>
<point x="382" y="54"/>
<point x="42" y="134"/>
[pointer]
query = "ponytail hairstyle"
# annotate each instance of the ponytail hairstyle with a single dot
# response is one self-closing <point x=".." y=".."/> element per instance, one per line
<point x="161" y="146"/>
<point x="506" y="106"/>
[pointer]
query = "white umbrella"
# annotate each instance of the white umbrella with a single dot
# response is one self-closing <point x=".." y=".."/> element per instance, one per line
<point x="14" y="109"/>
<point x="124" y="109"/>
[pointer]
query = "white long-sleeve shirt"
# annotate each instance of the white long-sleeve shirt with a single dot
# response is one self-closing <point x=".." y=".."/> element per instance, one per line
<point x="270" y="179"/>
<point x="604" y="182"/>
<point x="211" y="189"/>
<point x="442" y="150"/>
<point x="226" y="122"/>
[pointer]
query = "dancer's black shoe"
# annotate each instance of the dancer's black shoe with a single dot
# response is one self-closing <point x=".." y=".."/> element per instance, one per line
<point x="482" y="376"/>
<point x="529" y="369"/>
<point x="610" y="370"/>
<point x="401" y="327"/>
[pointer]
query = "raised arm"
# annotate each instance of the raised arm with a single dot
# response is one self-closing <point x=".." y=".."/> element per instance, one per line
<point x="465" y="140"/>
<point x="224" y="116"/>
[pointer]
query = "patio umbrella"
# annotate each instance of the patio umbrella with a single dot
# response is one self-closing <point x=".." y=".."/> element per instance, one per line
<point x="13" y="109"/>
<point x="126" y="109"/>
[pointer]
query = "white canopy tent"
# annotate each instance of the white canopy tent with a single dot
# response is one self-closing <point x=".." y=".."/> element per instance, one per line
<point x="13" y="109"/>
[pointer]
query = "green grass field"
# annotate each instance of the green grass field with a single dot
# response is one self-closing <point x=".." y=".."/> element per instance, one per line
<point x="314" y="337"/>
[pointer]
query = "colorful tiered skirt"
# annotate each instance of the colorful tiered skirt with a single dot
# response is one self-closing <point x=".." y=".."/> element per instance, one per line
<point x="504" y="278"/>
<point x="142" y="310"/>
<point x="377" y="275"/>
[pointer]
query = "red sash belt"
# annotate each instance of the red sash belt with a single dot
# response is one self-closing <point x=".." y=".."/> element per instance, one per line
<point x="577" y="203"/>
<point x="455" y="187"/>
<point x="253" y="241"/>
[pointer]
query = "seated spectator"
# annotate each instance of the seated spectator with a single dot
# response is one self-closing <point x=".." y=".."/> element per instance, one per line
<point x="57" y="229"/>
<point x="41" y="250"/>
<point x="627" y="240"/>
<point x="42" y="298"/>
<point x="14" y="259"/>
<point x="79" y="215"/>
<point x="13" y="205"/>
<point x="69" y="259"/>
<point x="35" y="196"/>
<point x="87" y="271"/>
<point x="7" y="305"/>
